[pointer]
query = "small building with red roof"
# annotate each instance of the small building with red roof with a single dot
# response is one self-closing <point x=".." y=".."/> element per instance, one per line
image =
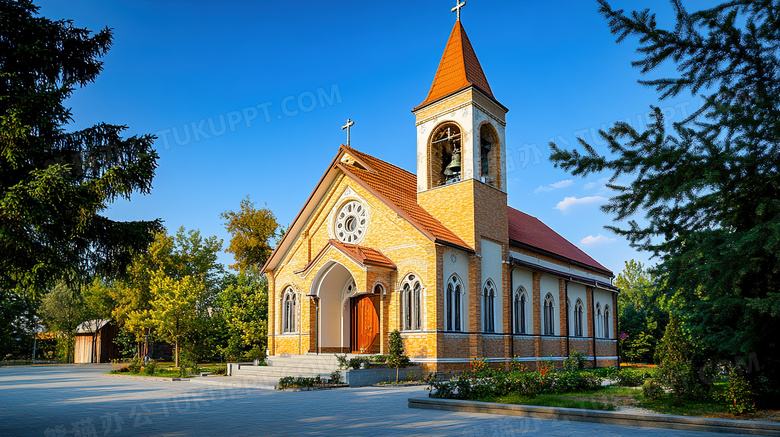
<point x="437" y="255"/>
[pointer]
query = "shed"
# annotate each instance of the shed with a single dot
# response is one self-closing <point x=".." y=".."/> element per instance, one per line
<point x="106" y="332"/>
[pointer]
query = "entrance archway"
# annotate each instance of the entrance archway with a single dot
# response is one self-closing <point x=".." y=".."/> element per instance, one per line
<point x="334" y="286"/>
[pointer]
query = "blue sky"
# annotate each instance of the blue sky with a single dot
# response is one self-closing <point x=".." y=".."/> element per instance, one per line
<point x="247" y="98"/>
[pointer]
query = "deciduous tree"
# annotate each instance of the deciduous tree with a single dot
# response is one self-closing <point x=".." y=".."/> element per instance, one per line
<point x="253" y="232"/>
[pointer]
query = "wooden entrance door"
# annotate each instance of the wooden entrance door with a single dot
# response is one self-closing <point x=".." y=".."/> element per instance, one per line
<point x="365" y="325"/>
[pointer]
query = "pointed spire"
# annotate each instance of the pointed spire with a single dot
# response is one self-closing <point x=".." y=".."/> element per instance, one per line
<point x="458" y="69"/>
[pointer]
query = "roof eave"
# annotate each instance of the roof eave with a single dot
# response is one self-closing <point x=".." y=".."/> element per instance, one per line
<point x="560" y="257"/>
<point x="470" y="85"/>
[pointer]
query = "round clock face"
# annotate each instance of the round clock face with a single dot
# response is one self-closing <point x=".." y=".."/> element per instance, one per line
<point x="351" y="221"/>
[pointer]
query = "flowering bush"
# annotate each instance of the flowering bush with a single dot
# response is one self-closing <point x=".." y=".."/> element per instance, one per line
<point x="480" y="382"/>
<point x="479" y="368"/>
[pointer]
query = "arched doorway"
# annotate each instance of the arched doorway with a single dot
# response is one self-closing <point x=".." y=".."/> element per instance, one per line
<point x="347" y="321"/>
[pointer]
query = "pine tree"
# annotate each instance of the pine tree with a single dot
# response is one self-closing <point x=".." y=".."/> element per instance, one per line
<point x="55" y="184"/>
<point x="709" y="186"/>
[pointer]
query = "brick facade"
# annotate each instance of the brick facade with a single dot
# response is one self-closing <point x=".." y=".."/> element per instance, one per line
<point x="472" y="211"/>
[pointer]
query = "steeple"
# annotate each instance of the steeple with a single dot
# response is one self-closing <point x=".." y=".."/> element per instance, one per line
<point x="459" y="68"/>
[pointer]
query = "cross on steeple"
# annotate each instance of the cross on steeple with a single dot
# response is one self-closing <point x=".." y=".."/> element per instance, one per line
<point x="458" y="7"/>
<point x="347" y="126"/>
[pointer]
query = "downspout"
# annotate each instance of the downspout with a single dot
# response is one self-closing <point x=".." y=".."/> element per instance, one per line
<point x="593" y="321"/>
<point x="317" y="324"/>
<point x="512" y="312"/>
<point x="617" y="323"/>
<point x="568" y="320"/>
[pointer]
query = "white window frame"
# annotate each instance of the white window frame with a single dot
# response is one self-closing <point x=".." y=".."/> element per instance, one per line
<point x="454" y="304"/>
<point x="489" y="306"/>
<point x="289" y="311"/>
<point x="549" y="315"/>
<point x="411" y="303"/>
<point x="519" y="308"/>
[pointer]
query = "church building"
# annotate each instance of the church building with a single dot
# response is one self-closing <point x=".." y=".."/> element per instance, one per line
<point x="437" y="255"/>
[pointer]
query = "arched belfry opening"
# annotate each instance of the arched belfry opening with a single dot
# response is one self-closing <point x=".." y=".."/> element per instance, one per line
<point x="445" y="155"/>
<point x="490" y="156"/>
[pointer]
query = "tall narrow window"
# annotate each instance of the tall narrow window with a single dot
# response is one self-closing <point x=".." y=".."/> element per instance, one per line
<point x="599" y="321"/>
<point x="549" y="315"/>
<point x="289" y="310"/>
<point x="606" y="322"/>
<point x="454" y="291"/>
<point x="411" y="298"/>
<point x="578" y="319"/>
<point x="488" y="307"/>
<point x="519" y="311"/>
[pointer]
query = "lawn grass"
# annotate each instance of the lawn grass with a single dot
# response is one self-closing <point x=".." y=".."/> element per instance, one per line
<point x="549" y="400"/>
<point x="669" y="405"/>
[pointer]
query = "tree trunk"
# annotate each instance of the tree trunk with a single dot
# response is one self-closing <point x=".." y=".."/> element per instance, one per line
<point x="176" y="351"/>
<point x="396" y="374"/>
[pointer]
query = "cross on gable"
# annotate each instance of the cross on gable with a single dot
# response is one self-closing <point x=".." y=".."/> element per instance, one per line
<point x="458" y="7"/>
<point x="347" y="126"/>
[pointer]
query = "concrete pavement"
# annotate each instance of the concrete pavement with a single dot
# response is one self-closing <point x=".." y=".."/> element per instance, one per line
<point x="77" y="401"/>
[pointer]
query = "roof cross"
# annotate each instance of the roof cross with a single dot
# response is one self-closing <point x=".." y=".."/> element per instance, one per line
<point x="347" y="126"/>
<point x="458" y="7"/>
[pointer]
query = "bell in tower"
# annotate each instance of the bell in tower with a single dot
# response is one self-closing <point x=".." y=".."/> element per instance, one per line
<point x="446" y="149"/>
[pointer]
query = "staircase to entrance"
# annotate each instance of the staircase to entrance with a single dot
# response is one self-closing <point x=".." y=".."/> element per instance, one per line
<point x="309" y="365"/>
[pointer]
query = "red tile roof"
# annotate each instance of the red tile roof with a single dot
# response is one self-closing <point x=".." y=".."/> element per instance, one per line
<point x="458" y="68"/>
<point x="399" y="187"/>
<point x="364" y="255"/>
<point x="530" y="231"/>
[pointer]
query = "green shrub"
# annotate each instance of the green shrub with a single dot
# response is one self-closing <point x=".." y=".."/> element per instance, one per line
<point x="151" y="367"/>
<point x="396" y="357"/>
<point x="630" y="378"/>
<point x="335" y="377"/>
<point x="651" y="390"/>
<point x="379" y="359"/>
<point x="605" y="372"/>
<point x="576" y="361"/>
<point x="356" y="362"/>
<point x="220" y="369"/>
<point x="134" y="366"/>
<point x="343" y="361"/>
<point x="739" y="394"/>
<point x="411" y="376"/>
<point x="296" y="381"/>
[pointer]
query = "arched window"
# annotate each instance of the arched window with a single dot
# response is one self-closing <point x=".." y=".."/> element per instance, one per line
<point x="599" y="321"/>
<point x="289" y="311"/>
<point x="445" y="155"/>
<point x="454" y="298"/>
<point x="488" y="155"/>
<point x="549" y="315"/>
<point x="379" y="289"/>
<point x="578" y="318"/>
<point x="411" y="299"/>
<point x="606" y="322"/>
<point x="519" y="310"/>
<point x="488" y="307"/>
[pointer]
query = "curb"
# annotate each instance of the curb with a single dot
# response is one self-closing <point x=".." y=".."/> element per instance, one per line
<point x="614" y="418"/>
<point x="148" y="378"/>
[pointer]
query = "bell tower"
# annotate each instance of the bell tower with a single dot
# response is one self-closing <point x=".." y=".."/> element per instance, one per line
<point x="461" y="151"/>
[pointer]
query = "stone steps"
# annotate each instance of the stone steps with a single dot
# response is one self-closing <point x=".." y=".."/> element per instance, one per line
<point x="309" y="365"/>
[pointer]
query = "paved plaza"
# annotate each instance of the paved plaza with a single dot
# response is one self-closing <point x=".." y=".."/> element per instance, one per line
<point x="78" y="401"/>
